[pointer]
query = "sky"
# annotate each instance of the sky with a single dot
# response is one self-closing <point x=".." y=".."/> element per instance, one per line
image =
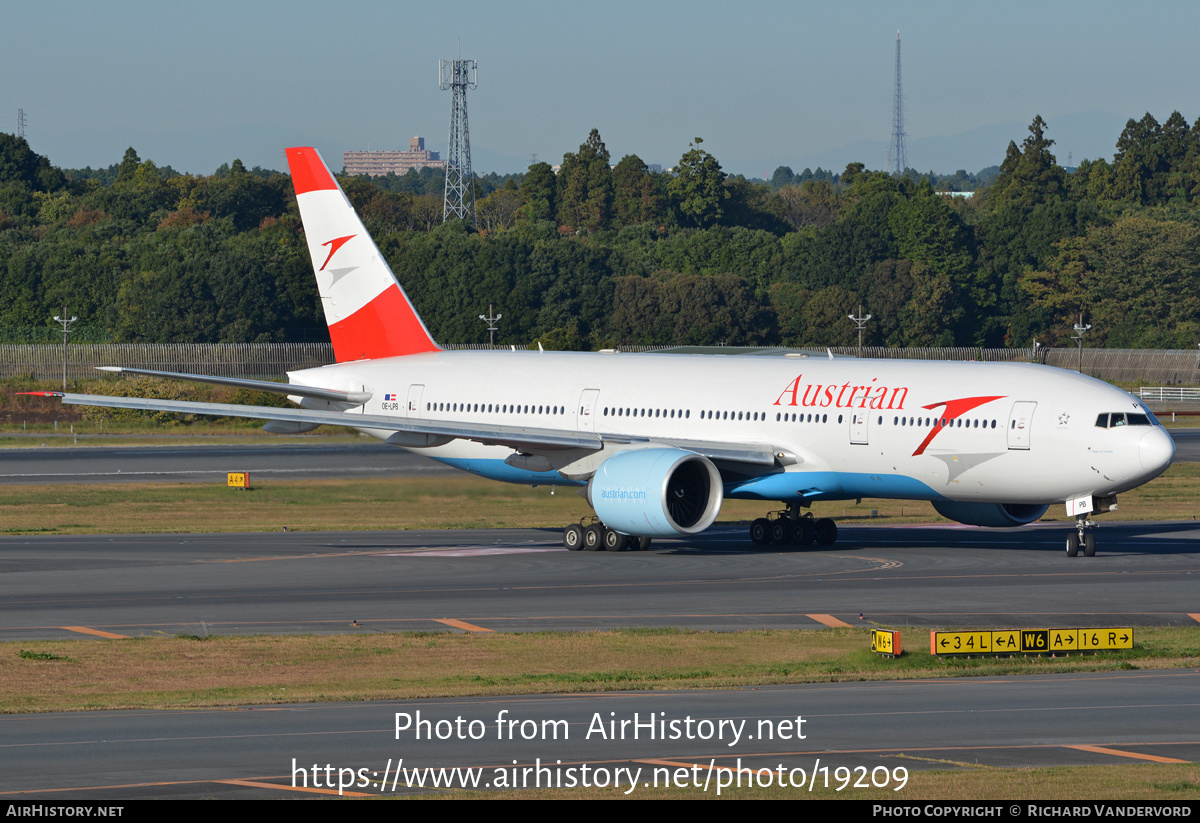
<point x="763" y="82"/>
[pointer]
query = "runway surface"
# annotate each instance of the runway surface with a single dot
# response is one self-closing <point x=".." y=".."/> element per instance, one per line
<point x="285" y="461"/>
<point x="523" y="580"/>
<point x="1187" y="445"/>
<point x="209" y="464"/>
<point x="852" y="733"/>
<point x="520" y="580"/>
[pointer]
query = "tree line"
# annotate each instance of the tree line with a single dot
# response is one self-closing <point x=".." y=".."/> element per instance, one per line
<point x="597" y="253"/>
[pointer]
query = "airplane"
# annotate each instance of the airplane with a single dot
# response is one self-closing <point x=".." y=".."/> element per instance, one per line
<point x="656" y="442"/>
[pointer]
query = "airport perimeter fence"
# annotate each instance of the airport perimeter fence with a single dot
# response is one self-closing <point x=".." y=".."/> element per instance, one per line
<point x="1164" y="367"/>
<point x="266" y="361"/>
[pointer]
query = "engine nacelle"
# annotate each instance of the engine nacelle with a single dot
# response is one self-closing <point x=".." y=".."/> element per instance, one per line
<point x="996" y="515"/>
<point x="656" y="492"/>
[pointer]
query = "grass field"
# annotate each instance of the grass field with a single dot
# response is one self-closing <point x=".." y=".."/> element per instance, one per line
<point x="227" y="671"/>
<point x="193" y="672"/>
<point x="189" y="671"/>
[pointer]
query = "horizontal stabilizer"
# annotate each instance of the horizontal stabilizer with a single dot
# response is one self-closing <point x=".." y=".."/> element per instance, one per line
<point x="357" y="398"/>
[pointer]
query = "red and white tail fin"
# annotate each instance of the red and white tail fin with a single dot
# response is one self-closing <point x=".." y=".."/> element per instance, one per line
<point x="368" y="313"/>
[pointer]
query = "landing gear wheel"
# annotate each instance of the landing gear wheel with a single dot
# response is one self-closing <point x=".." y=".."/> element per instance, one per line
<point x="803" y="532"/>
<point x="1089" y="545"/>
<point x="640" y="543"/>
<point x="760" y="531"/>
<point x="593" y="537"/>
<point x="613" y="541"/>
<point x="781" y="532"/>
<point x="826" y="532"/>
<point x="1073" y="544"/>
<point x="573" y="537"/>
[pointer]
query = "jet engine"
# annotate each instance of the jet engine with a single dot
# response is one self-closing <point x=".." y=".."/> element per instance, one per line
<point x="996" y="515"/>
<point x="656" y="492"/>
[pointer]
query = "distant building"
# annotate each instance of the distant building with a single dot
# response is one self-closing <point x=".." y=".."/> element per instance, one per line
<point x="382" y="163"/>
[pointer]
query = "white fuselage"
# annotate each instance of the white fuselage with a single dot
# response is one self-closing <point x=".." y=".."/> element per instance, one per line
<point x="843" y="428"/>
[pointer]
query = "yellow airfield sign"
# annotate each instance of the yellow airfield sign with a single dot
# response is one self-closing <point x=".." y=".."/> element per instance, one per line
<point x="885" y="642"/>
<point x="1031" y="641"/>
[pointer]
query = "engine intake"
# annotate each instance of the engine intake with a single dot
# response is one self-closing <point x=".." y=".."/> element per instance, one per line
<point x="656" y="492"/>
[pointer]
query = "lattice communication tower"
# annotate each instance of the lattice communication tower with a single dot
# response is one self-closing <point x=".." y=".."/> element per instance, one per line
<point x="20" y="122"/>
<point x="897" y="156"/>
<point x="458" y="76"/>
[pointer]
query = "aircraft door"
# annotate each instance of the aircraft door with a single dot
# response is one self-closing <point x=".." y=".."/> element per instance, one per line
<point x="858" y="427"/>
<point x="1019" y="423"/>
<point x="414" y="399"/>
<point x="586" y="422"/>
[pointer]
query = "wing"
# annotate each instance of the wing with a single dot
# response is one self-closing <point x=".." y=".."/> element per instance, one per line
<point x="410" y="432"/>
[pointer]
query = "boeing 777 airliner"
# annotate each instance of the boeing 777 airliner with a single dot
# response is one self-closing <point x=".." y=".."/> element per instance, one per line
<point x="657" y="442"/>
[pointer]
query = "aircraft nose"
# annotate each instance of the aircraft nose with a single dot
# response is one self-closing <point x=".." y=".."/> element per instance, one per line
<point x="1156" y="450"/>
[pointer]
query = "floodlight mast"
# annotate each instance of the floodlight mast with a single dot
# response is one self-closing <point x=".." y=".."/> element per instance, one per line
<point x="1080" y="329"/>
<point x="491" y="318"/>
<point x="861" y="322"/>
<point x="65" y="322"/>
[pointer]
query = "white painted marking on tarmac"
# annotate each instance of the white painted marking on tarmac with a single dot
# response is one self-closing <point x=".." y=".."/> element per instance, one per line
<point x="477" y="551"/>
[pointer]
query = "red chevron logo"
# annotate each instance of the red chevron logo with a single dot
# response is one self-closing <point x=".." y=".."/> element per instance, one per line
<point x="334" y="244"/>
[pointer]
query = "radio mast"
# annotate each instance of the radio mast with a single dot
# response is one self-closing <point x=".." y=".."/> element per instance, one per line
<point x="897" y="157"/>
<point x="458" y="76"/>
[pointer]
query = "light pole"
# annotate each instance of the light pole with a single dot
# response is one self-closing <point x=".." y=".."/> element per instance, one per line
<point x="1079" y="331"/>
<point x="66" y="327"/>
<point x="859" y="321"/>
<point x="491" y="324"/>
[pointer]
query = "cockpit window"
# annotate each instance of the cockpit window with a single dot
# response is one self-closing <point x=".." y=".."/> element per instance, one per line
<point x="1114" y="419"/>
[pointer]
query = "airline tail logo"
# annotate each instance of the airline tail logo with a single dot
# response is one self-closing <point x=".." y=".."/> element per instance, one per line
<point x="335" y="244"/>
<point x="370" y="316"/>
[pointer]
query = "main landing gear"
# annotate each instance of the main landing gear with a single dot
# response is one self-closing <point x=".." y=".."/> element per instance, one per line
<point x="790" y="528"/>
<point x="595" y="536"/>
<point x="1083" y="538"/>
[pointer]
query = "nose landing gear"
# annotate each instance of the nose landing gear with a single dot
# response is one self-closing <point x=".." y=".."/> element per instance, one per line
<point x="1083" y="538"/>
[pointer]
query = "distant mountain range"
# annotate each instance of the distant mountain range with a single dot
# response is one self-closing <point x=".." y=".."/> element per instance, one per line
<point x="1090" y="134"/>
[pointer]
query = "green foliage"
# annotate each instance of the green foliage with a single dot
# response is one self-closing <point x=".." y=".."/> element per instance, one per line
<point x="25" y="654"/>
<point x="697" y="191"/>
<point x="638" y="195"/>
<point x="539" y="191"/>
<point x="689" y="309"/>
<point x="21" y="165"/>
<point x="1029" y="175"/>
<point x="598" y="255"/>
<point x="1138" y="281"/>
<point x="585" y="187"/>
